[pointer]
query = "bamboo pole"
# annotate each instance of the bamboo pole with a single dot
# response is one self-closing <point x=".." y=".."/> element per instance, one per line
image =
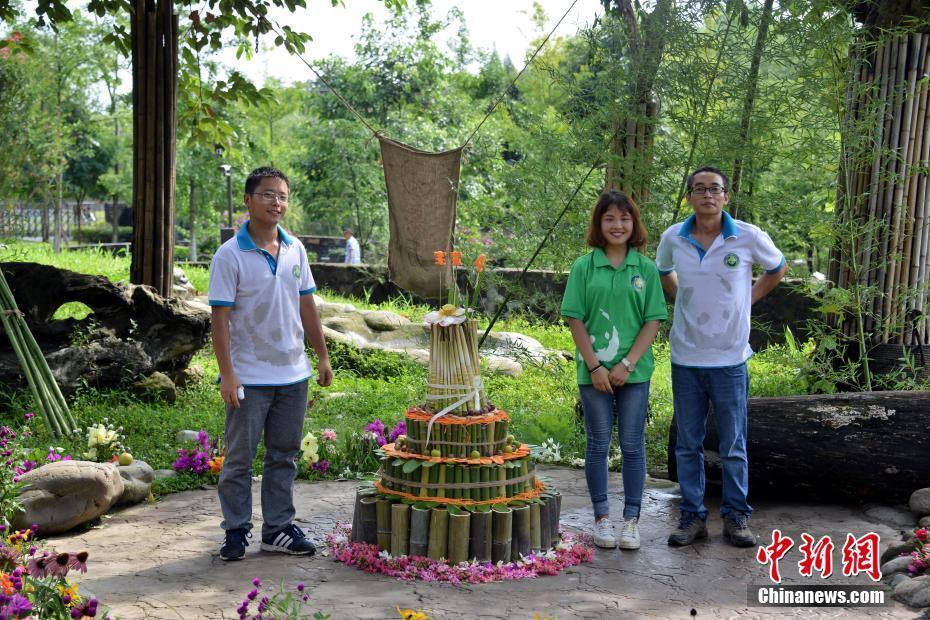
<point x="438" y="533"/>
<point x="521" y="542"/>
<point x="545" y="529"/>
<point x="502" y="535"/>
<point x="368" y="520"/>
<point x="554" y="507"/>
<point x="479" y="547"/>
<point x="419" y="531"/>
<point x="459" y="535"/>
<point x="535" y="532"/>
<point x="400" y="528"/>
<point x="383" y="517"/>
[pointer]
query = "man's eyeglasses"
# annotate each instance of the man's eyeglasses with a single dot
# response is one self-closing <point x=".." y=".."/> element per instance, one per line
<point x="272" y="196"/>
<point x="713" y="190"/>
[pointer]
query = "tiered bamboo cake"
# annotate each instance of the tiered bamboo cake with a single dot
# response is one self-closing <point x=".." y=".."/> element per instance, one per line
<point x="458" y="486"/>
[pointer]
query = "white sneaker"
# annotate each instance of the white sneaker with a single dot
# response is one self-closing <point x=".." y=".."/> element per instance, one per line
<point x="629" y="535"/>
<point x="604" y="534"/>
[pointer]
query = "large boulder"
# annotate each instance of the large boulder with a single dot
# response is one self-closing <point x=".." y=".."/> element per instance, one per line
<point x="920" y="501"/>
<point x="61" y="495"/>
<point x="130" y="332"/>
<point x="137" y="482"/>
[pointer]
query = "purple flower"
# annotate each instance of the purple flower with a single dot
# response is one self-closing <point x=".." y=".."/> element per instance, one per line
<point x="300" y="587"/>
<point x="252" y="594"/>
<point x="376" y="427"/>
<point x="321" y="466"/>
<point x="29" y="415"/>
<point x="204" y="440"/>
<point x="256" y="582"/>
<point x="19" y="606"/>
<point x="400" y="429"/>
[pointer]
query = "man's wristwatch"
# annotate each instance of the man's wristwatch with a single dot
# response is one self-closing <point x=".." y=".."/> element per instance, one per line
<point x="630" y="366"/>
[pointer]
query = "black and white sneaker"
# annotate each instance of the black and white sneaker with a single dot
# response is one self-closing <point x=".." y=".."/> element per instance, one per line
<point x="234" y="546"/>
<point x="290" y="540"/>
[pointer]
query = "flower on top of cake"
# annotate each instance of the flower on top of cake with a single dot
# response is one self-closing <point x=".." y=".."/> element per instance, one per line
<point x="449" y="314"/>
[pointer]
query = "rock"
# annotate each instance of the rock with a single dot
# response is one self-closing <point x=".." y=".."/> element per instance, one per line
<point x="61" y="495"/>
<point x="182" y="287"/>
<point x="920" y="501"/>
<point x="924" y="522"/>
<point x="896" y="565"/>
<point x="895" y="550"/>
<point x="187" y="376"/>
<point x="130" y="332"/>
<point x="137" y="482"/>
<point x="914" y="592"/>
<point x="185" y="437"/>
<point x="504" y="366"/>
<point x="384" y="321"/>
<point x="328" y="310"/>
<point x="515" y="346"/>
<point x="161" y="474"/>
<point x="897" y="580"/>
<point x="156" y="386"/>
<point x="895" y="517"/>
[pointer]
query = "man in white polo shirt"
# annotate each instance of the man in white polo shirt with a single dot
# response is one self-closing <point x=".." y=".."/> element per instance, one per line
<point x="705" y="263"/>
<point x="261" y="293"/>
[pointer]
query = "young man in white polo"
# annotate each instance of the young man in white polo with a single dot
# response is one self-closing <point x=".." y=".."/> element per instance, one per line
<point x="261" y="294"/>
<point x="705" y="263"/>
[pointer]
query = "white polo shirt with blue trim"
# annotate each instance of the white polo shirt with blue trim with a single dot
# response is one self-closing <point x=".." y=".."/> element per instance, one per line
<point x="712" y="309"/>
<point x="266" y="336"/>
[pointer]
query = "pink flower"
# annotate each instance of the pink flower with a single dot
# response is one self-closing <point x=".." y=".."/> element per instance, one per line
<point x="36" y="567"/>
<point x="78" y="561"/>
<point x="58" y="565"/>
<point x="328" y="434"/>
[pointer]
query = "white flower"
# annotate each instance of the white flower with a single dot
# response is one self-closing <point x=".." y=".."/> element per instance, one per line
<point x="309" y="448"/>
<point x="445" y="316"/>
<point x="384" y="555"/>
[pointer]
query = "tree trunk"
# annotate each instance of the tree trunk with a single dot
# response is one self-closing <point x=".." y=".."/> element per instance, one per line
<point x="744" y="141"/>
<point x="629" y="167"/>
<point x="154" y="70"/>
<point x="863" y="446"/>
<point x="192" y="221"/>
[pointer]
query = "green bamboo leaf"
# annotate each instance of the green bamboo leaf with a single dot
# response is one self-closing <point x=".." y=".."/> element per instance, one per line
<point x="426" y="505"/>
<point x="455" y="510"/>
<point x="411" y="466"/>
<point x="483" y="508"/>
<point x="428" y="464"/>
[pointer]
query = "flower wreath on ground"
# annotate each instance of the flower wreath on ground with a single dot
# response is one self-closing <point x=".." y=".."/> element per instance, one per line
<point x="573" y="550"/>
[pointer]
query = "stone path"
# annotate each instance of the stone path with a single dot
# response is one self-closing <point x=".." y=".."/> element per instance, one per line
<point x="160" y="561"/>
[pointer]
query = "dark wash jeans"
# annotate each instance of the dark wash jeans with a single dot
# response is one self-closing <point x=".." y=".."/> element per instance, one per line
<point x="728" y="389"/>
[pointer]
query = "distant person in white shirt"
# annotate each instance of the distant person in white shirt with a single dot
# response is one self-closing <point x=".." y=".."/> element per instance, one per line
<point x="353" y="251"/>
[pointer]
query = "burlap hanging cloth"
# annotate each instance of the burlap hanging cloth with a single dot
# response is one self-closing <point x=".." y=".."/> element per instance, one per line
<point x="421" y="190"/>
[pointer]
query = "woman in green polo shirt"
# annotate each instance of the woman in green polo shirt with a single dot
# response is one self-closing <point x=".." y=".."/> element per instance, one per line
<point x="613" y="303"/>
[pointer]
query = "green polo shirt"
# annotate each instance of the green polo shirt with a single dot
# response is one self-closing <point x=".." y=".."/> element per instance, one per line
<point x="614" y="303"/>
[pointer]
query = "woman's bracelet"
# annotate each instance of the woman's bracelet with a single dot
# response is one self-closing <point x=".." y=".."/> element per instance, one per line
<point x="591" y="370"/>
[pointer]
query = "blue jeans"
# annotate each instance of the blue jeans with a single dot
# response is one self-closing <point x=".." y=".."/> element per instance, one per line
<point x="277" y="413"/>
<point x="728" y="390"/>
<point x="627" y="405"/>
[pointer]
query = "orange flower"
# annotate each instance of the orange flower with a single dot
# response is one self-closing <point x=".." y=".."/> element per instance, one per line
<point x="6" y="585"/>
<point x="456" y="259"/>
<point x="216" y="464"/>
<point x="439" y="257"/>
<point x="479" y="262"/>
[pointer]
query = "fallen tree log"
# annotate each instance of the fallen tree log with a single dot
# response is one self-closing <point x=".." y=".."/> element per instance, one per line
<point x="862" y="446"/>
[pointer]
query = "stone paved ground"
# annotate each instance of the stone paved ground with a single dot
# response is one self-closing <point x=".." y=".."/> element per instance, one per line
<point x="160" y="561"/>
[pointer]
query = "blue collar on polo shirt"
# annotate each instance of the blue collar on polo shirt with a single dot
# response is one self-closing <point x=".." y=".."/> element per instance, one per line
<point x="728" y="229"/>
<point x="244" y="240"/>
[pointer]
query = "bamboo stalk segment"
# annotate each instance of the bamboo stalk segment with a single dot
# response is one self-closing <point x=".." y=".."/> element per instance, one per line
<point x="368" y="520"/>
<point x="521" y="541"/>
<point x="545" y="526"/>
<point x="419" y="531"/>
<point x="502" y="534"/>
<point x="438" y="533"/>
<point x="383" y="518"/>
<point x="459" y="536"/>
<point x="400" y="528"/>
<point x="479" y="547"/>
<point x="535" y="535"/>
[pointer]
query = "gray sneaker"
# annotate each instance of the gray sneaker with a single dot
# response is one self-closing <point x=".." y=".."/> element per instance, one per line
<point x="690" y="528"/>
<point x="736" y="530"/>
